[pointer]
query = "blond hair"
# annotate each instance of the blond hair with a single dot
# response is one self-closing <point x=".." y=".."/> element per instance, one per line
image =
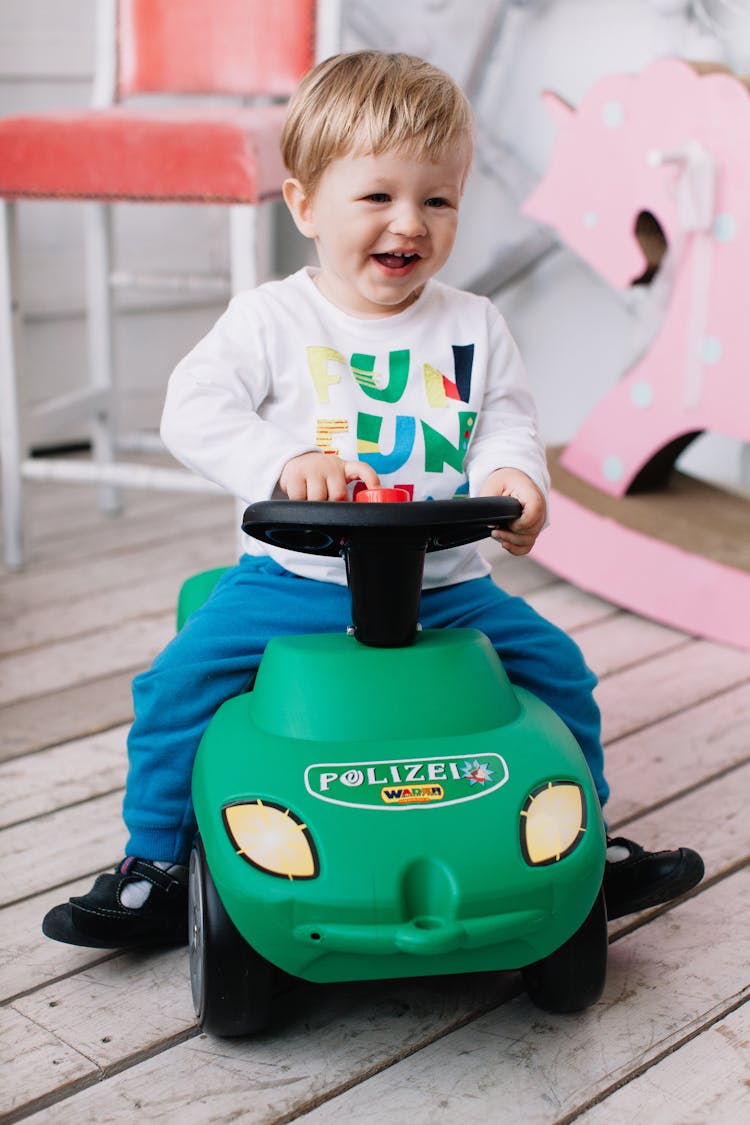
<point x="370" y="102"/>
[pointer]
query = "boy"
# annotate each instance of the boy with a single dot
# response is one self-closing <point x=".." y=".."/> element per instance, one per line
<point x="363" y="369"/>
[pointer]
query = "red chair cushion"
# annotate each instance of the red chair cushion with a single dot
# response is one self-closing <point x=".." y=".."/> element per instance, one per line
<point x="189" y="154"/>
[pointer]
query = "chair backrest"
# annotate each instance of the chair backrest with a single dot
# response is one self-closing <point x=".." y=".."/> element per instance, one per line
<point x="251" y="48"/>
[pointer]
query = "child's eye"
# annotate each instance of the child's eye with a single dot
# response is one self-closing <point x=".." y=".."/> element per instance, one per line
<point x="436" y="201"/>
<point x="377" y="197"/>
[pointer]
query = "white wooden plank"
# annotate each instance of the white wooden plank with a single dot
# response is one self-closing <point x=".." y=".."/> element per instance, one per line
<point x="64" y="845"/>
<point x="34" y="724"/>
<point x="137" y="998"/>
<point x="569" y="607"/>
<point x="95" y="1013"/>
<point x="516" y="574"/>
<point x="74" y="518"/>
<point x="664" y="984"/>
<point x="64" y="775"/>
<point x="28" y="1054"/>
<point x="325" y="1037"/>
<point x="76" y="531"/>
<point x="671" y="757"/>
<point x="29" y="960"/>
<point x="622" y="640"/>
<point x="34" y="593"/>
<point x="212" y="1080"/>
<point x="127" y="644"/>
<point x="712" y="820"/>
<point x="662" y="686"/>
<point x="107" y="609"/>
<point x="723" y="800"/>
<point x="66" y="663"/>
<point x="159" y="520"/>
<point x="707" y="1079"/>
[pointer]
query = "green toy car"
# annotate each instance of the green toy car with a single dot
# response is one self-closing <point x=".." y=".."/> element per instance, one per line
<point x="384" y="803"/>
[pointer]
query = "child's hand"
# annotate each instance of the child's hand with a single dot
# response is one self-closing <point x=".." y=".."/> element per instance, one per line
<point x="323" y="476"/>
<point x="521" y="535"/>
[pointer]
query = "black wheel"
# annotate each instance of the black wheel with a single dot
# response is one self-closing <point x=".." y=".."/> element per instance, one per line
<point x="230" y="982"/>
<point x="573" y="977"/>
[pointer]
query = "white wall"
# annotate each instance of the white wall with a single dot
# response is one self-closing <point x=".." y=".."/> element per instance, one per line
<point x="575" y="332"/>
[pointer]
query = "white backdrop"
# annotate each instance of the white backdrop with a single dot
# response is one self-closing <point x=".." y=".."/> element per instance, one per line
<point x="575" y="332"/>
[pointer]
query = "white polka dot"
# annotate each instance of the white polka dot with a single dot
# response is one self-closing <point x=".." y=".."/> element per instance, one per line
<point x="642" y="394"/>
<point x="612" y="114"/>
<point x="711" y="349"/>
<point x="590" y="219"/>
<point x="613" y="468"/>
<point x="725" y="228"/>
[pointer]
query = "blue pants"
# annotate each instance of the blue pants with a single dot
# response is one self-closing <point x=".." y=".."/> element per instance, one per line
<point x="217" y="652"/>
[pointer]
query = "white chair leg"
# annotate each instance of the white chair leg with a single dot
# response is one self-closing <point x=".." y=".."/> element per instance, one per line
<point x="10" y="417"/>
<point x="243" y="250"/>
<point x="250" y="238"/>
<point x="98" y="237"/>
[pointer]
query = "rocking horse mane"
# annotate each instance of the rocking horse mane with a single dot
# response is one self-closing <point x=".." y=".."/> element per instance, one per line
<point x="704" y="68"/>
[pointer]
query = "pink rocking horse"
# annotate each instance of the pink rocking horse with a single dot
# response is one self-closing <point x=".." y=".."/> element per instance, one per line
<point x="665" y="154"/>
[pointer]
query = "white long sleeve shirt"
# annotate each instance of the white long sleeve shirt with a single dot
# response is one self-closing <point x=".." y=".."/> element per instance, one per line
<point x="434" y="398"/>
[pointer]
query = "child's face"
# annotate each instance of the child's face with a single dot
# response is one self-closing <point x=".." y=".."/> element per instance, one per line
<point x="383" y="225"/>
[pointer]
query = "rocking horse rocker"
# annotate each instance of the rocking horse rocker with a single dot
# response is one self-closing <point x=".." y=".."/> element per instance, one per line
<point x="666" y="151"/>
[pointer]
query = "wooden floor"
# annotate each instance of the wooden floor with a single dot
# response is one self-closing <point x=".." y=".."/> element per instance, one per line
<point x="93" y="1037"/>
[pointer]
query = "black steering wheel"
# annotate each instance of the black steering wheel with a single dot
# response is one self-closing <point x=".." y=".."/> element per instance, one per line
<point x="384" y="547"/>
<point x="323" y="527"/>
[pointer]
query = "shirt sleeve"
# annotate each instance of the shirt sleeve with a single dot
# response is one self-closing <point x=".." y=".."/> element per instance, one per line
<point x="211" y="420"/>
<point x="506" y="433"/>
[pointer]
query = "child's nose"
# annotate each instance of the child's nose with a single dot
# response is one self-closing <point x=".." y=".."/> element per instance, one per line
<point x="408" y="221"/>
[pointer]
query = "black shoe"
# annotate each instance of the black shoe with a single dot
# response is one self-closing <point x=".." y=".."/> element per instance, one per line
<point x="635" y="879"/>
<point x="101" y="921"/>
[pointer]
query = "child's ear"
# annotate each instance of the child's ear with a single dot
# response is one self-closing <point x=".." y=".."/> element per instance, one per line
<point x="300" y="205"/>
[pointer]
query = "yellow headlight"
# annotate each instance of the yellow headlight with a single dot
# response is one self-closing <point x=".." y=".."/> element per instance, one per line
<point x="271" y="838"/>
<point x="553" y="821"/>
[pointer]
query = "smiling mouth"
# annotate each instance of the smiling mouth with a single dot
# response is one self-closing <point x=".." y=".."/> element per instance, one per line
<point x="396" y="261"/>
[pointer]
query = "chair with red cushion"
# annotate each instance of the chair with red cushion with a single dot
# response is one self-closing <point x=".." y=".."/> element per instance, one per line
<point x="236" y="62"/>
